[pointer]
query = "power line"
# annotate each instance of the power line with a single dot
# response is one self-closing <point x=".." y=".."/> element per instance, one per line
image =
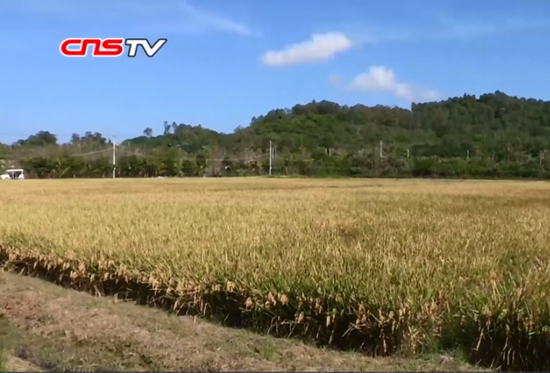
<point x="207" y="159"/>
<point x="129" y="149"/>
<point x="70" y="155"/>
<point x="64" y="134"/>
<point x="270" y="157"/>
<point x="114" y="157"/>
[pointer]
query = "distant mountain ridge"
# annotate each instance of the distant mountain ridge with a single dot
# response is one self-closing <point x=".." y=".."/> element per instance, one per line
<point x="489" y="123"/>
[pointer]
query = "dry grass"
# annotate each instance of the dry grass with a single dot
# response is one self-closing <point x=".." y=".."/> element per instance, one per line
<point x="384" y="265"/>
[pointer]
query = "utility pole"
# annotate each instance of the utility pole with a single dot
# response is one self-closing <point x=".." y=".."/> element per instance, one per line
<point x="467" y="154"/>
<point x="270" y="156"/>
<point x="114" y="157"/>
<point x="381" y="143"/>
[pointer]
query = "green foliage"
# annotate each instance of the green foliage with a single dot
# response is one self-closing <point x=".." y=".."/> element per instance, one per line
<point x="493" y="136"/>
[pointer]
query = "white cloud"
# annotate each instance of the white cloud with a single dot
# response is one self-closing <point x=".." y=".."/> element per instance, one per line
<point x="370" y="34"/>
<point x="215" y="21"/>
<point x="320" y="47"/>
<point x="383" y="79"/>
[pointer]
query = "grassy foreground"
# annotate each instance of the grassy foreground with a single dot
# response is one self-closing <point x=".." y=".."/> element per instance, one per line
<point x="388" y="266"/>
<point x="44" y="327"/>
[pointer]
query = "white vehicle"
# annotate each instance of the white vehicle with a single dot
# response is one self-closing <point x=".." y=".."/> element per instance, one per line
<point x="13" y="174"/>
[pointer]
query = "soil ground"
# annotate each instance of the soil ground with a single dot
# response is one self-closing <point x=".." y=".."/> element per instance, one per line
<point x="44" y="327"/>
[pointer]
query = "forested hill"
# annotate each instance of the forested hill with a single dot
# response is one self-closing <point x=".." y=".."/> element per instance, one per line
<point x="495" y="130"/>
<point x="493" y="123"/>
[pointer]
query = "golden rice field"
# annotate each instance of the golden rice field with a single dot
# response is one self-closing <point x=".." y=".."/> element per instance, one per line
<point x="388" y="266"/>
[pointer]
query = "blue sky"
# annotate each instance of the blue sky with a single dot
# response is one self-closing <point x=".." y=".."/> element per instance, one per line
<point x="227" y="61"/>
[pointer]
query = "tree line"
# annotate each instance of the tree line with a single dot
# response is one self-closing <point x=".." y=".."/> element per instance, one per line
<point x="366" y="165"/>
<point x="490" y="136"/>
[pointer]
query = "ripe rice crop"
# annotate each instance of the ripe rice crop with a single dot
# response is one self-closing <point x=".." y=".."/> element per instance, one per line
<point x="388" y="266"/>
